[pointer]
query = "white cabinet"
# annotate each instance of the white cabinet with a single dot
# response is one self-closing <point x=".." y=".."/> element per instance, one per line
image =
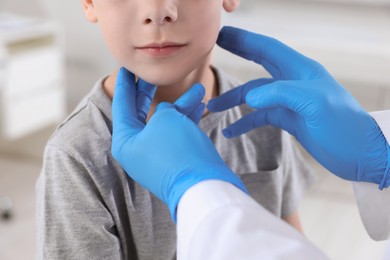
<point x="32" y="93"/>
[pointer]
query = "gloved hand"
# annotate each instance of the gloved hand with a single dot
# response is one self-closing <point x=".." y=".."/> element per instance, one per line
<point x="170" y="153"/>
<point x="305" y="100"/>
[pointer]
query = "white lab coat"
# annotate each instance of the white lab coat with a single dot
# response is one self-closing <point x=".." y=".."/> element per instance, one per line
<point x="218" y="221"/>
<point x="374" y="204"/>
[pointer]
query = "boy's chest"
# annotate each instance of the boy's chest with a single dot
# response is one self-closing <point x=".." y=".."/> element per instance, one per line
<point x="259" y="150"/>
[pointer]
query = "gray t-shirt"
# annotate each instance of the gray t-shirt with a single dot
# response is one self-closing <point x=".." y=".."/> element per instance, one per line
<point x="89" y="208"/>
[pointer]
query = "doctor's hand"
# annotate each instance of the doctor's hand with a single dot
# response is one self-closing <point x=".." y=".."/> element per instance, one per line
<point x="305" y="100"/>
<point x="169" y="154"/>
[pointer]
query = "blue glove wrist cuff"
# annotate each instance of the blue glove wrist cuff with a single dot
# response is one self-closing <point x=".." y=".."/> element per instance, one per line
<point x="386" y="178"/>
<point x="181" y="186"/>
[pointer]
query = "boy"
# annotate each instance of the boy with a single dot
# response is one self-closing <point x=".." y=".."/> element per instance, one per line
<point x="88" y="207"/>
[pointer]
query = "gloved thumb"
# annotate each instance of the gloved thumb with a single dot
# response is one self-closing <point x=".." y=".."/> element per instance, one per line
<point x="164" y="105"/>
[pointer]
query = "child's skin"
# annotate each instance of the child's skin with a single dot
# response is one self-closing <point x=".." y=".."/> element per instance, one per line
<point x="135" y="31"/>
<point x="190" y="25"/>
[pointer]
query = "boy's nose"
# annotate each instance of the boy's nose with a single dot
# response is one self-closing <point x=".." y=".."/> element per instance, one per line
<point x="161" y="12"/>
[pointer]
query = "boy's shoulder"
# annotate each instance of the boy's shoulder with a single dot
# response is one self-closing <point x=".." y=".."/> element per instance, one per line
<point x="88" y="124"/>
<point x="225" y="80"/>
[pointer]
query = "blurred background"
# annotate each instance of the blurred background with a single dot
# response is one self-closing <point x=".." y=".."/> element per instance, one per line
<point x="50" y="57"/>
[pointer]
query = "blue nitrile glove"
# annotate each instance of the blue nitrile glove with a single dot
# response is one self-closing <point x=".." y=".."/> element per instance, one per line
<point x="170" y="153"/>
<point x="305" y="100"/>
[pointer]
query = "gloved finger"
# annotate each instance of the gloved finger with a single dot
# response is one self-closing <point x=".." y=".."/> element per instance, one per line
<point x="196" y="115"/>
<point x="124" y="111"/>
<point x="164" y="105"/>
<point x="190" y="100"/>
<point x="145" y="94"/>
<point x="278" y="117"/>
<point x="291" y="95"/>
<point x="277" y="58"/>
<point x="236" y="96"/>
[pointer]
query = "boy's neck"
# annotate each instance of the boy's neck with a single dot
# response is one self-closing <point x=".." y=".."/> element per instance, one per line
<point x="203" y="74"/>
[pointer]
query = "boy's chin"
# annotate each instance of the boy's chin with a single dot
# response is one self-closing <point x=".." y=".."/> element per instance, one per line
<point x="163" y="78"/>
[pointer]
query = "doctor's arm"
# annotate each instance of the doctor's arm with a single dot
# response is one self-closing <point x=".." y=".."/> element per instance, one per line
<point x="215" y="220"/>
<point x="171" y="157"/>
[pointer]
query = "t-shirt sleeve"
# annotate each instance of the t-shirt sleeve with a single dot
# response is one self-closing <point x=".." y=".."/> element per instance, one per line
<point x="297" y="178"/>
<point x="72" y="220"/>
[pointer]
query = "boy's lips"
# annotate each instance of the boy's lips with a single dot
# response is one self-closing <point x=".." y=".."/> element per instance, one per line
<point x="161" y="50"/>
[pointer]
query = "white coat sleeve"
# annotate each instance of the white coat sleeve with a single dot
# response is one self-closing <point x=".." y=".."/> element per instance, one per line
<point x="374" y="204"/>
<point x="216" y="220"/>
